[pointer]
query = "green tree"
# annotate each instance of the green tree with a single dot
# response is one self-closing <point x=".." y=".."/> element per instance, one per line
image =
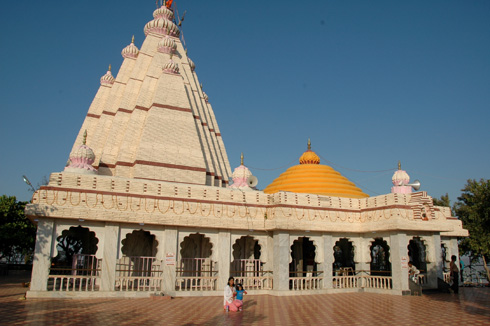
<point x="17" y="233"/>
<point x="473" y="209"/>
<point x="444" y="201"/>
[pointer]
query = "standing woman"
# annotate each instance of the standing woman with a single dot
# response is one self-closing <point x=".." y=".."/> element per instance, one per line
<point x="454" y="274"/>
<point x="229" y="295"/>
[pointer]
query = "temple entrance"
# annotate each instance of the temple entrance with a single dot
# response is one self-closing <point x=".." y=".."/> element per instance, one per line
<point x="196" y="270"/>
<point x="343" y="252"/>
<point x="75" y="268"/>
<point x="246" y="257"/>
<point x="417" y="254"/>
<point x="303" y="268"/>
<point x="303" y="257"/>
<point x="380" y="258"/>
<point x="139" y="243"/>
<point x="138" y="269"/>
<point x="246" y="266"/>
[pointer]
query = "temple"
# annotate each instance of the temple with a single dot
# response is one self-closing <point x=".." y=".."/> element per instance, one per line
<point x="144" y="205"/>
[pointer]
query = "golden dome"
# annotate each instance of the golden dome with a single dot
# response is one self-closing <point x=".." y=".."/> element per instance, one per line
<point x="314" y="178"/>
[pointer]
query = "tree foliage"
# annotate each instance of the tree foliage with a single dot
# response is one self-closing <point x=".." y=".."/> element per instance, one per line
<point x="17" y="233"/>
<point x="443" y="201"/>
<point x="473" y="209"/>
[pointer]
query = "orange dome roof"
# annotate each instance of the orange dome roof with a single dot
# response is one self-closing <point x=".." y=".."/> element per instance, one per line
<point x="313" y="178"/>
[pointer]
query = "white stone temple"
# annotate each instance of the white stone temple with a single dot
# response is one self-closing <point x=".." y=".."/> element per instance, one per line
<point x="144" y="206"/>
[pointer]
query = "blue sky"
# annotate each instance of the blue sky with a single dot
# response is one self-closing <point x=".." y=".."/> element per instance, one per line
<point x="370" y="82"/>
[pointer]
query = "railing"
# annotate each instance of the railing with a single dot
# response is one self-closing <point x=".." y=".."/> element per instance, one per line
<point x="84" y="275"/>
<point x="362" y="281"/>
<point x="377" y="282"/>
<point x="137" y="273"/>
<point x="312" y="281"/>
<point x="345" y="282"/>
<point x="196" y="274"/>
<point x="249" y="273"/>
<point x="262" y="282"/>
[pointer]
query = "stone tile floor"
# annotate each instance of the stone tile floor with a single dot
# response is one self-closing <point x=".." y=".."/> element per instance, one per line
<point x="470" y="307"/>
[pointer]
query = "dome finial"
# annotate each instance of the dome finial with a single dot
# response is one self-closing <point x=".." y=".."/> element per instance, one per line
<point x="85" y="137"/>
<point x="132" y="39"/>
<point x="241" y="159"/>
<point x="399" y="165"/>
<point x="309" y="144"/>
<point x="109" y="67"/>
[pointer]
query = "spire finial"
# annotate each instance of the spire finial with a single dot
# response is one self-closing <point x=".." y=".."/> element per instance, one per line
<point x="132" y="39"/>
<point x="109" y="67"/>
<point x="399" y="165"/>
<point x="241" y="159"/>
<point x="309" y="144"/>
<point x="85" y="137"/>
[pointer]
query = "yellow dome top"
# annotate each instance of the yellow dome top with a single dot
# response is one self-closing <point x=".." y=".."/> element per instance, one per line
<point x="313" y="178"/>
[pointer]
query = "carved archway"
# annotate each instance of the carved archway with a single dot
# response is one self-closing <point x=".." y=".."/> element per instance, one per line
<point x="380" y="258"/>
<point x="139" y="243"/>
<point x="246" y="257"/>
<point x="417" y="253"/>
<point x="75" y="240"/>
<point x="343" y="253"/>
<point x="195" y="253"/>
<point x="303" y="254"/>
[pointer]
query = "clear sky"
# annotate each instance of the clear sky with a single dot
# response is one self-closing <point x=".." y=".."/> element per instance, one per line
<point x="370" y="82"/>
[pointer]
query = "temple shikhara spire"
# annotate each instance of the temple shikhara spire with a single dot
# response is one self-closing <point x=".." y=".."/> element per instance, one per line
<point x="152" y="207"/>
<point x="152" y="120"/>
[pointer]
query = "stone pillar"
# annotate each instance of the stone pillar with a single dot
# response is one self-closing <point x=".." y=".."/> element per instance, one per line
<point x="399" y="267"/>
<point x="328" y="261"/>
<point x="434" y="260"/>
<point x="170" y="247"/>
<point x="363" y="263"/>
<point x="281" y="261"/>
<point x="109" y="256"/>
<point x="224" y="258"/>
<point x="42" y="255"/>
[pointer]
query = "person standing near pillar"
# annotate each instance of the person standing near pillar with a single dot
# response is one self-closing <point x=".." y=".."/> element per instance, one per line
<point x="453" y="268"/>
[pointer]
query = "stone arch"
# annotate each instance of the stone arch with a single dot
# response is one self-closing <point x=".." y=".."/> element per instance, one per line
<point x="139" y="243"/>
<point x="344" y="252"/>
<point x="314" y="240"/>
<point x="72" y="241"/>
<point x="246" y="253"/>
<point x="380" y="258"/>
<point x="417" y="253"/>
<point x="303" y="254"/>
<point x="195" y="252"/>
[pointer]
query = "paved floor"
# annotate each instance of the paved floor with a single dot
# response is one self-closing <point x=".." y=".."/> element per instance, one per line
<point x="470" y="307"/>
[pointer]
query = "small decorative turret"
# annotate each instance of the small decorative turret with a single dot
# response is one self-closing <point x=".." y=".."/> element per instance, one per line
<point x="206" y="98"/>
<point x="82" y="159"/>
<point x="309" y="157"/>
<point x="107" y="79"/>
<point x="171" y="67"/>
<point x="401" y="181"/>
<point x="162" y="24"/>
<point x="131" y="51"/>
<point x="241" y="177"/>
<point x="166" y="45"/>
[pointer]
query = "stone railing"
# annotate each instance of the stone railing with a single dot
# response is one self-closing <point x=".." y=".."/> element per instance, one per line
<point x="263" y="282"/>
<point x="73" y="283"/>
<point x="306" y="283"/>
<point x="196" y="283"/>
<point x="196" y="274"/>
<point x="362" y="281"/>
<point x="137" y="273"/>
<point x="345" y="282"/>
<point x="84" y="275"/>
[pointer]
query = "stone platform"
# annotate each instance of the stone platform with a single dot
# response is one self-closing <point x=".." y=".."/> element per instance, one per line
<point x="470" y="307"/>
